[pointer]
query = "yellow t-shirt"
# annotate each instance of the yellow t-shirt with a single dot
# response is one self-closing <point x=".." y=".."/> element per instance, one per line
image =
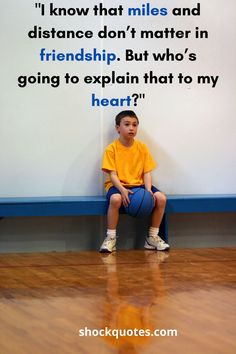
<point x="130" y="163"/>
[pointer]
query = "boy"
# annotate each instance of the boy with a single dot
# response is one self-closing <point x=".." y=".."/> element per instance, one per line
<point x="128" y="164"/>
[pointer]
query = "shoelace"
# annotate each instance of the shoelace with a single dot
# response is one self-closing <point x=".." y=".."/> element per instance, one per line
<point x="106" y="241"/>
<point x="159" y="239"/>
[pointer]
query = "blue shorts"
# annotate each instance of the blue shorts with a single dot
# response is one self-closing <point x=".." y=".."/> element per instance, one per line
<point x="114" y="190"/>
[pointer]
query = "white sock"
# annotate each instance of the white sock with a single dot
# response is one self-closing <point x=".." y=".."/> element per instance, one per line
<point x="153" y="231"/>
<point x="111" y="233"/>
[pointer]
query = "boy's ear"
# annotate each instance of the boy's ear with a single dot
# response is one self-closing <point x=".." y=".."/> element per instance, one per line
<point x="118" y="129"/>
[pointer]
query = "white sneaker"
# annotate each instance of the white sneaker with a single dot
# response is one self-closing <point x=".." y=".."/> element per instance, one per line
<point x="108" y="245"/>
<point x="156" y="243"/>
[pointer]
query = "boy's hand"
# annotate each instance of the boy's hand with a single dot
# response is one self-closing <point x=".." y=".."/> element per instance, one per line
<point x="125" y="196"/>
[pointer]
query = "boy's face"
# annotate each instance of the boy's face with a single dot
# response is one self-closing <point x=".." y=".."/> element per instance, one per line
<point x="128" y="127"/>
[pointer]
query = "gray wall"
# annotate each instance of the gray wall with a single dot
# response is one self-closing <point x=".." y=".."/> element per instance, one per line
<point x="44" y="234"/>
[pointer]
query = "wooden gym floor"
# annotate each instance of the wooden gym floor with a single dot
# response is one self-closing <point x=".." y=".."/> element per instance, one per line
<point x="48" y="299"/>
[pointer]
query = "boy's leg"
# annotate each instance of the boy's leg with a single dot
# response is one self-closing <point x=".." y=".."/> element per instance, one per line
<point x="153" y="241"/>
<point x="159" y="209"/>
<point x="113" y="211"/>
<point x="109" y="244"/>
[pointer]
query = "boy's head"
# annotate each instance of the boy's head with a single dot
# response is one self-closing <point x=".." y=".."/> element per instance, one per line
<point x="127" y="125"/>
<point x="124" y="114"/>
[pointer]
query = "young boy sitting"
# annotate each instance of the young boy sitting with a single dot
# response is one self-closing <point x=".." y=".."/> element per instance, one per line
<point x="128" y="164"/>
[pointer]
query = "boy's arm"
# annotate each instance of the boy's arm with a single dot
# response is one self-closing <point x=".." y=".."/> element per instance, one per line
<point x="148" y="181"/>
<point x="124" y="192"/>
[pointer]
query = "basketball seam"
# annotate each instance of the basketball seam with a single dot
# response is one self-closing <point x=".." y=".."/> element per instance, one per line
<point x="140" y="203"/>
<point x="128" y="207"/>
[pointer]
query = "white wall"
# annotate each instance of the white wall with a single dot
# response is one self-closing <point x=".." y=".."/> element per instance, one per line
<point x="51" y="139"/>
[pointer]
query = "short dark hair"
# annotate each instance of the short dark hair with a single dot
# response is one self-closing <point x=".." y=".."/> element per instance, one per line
<point x="123" y="114"/>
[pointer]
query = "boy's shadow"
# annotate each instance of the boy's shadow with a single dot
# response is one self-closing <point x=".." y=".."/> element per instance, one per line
<point x="133" y="231"/>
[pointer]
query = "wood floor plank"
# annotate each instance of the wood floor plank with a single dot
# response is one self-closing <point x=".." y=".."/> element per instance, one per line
<point x="46" y="298"/>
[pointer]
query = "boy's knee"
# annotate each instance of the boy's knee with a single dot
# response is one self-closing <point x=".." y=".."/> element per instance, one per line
<point x="160" y="198"/>
<point x="116" y="200"/>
